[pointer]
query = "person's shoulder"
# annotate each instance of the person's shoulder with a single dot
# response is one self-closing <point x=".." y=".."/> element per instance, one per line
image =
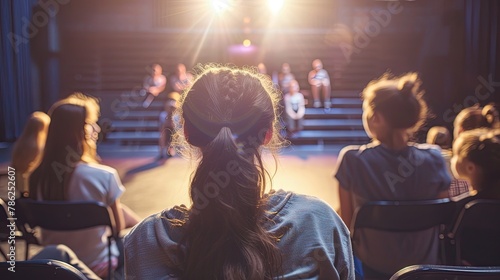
<point x="310" y="203"/>
<point x="95" y="168"/>
<point x="297" y="204"/>
<point x="430" y="149"/>
<point x="352" y="150"/>
<point x="160" y="225"/>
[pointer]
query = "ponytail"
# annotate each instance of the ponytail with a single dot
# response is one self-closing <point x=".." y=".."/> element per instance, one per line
<point x="226" y="114"/>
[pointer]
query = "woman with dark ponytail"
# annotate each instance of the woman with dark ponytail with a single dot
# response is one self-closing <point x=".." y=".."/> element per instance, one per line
<point x="392" y="168"/>
<point x="234" y="229"/>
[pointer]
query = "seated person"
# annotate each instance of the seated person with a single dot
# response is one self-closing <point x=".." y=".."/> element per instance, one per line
<point x="295" y="108"/>
<point x="319" y="80"/>
<point x="285" y="77"/>
<point x="167" y="125"/>
<point x="476" y="158"/>
<point x="391" y="168"/>
<point x="28" y="149"/>
<point x="69" y="171"/>
<point x="440" y="135"/>
<point x="234" y="229"/>
<point x="181" y="79"/>
<point x="153" y="85"/>
<point x="474" y="117"/>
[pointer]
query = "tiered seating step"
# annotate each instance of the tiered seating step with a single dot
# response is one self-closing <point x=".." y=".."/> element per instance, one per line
<point x="334" y="124"/>
<point x="329" y="137"/>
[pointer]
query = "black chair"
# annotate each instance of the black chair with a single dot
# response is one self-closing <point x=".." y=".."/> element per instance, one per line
<point x="71" y="215"/>
<point x="40" y="269"/>
<point x="403" y="216"/>
<point x="17" y="229"/>
<point x="475" y="235"/>
<point x="443" y="272"/>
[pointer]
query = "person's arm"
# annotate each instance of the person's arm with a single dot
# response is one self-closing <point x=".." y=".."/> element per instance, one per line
<point x="346" y="206"/>
<point x="129" y="216"/>
<point x="302" y="107"/>
<point x="117" y="210"/>
<point x="288" y="107"/>
<point x="310" y="78"/>
<point x="158" y="89"/>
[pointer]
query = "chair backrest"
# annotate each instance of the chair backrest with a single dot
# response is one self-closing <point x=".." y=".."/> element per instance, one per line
<point x="10" y="224"/>
<point x="39" y="269"/>
<point x="403" y="216"/>
<point x="67" y="215"/>
<point x="440" y="272"/>
<point x="70" y="215"/>
<point x="476" y="232"/>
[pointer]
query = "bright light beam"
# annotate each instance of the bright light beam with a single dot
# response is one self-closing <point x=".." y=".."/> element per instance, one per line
<point x="220" y="5"/>
<point x="275" y="5"/>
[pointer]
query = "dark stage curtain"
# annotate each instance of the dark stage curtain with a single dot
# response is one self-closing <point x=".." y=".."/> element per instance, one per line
<point x="15" y="67"/>
<point x="482" y="47"/>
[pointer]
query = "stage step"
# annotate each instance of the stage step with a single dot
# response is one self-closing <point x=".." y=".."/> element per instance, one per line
<point x="133" y="125"/>
<point x="333" y="124"/>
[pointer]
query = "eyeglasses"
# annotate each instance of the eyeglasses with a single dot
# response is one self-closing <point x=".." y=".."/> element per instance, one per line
<point x="95" y="127"/>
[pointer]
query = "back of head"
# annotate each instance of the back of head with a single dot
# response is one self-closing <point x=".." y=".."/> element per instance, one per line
<point x="65" y="145"/>
<point x="490" y="112"/>
<point x="399" y="100"/>
<point x="439" y="135"/>
<point x="473" y="117"/>
<point x="29" y="146"/>
<point x="482" y="147"/>
<point x="228" y="115"/>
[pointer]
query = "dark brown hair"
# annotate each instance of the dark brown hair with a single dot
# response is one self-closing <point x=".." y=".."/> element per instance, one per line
<point x="228" y="114"/>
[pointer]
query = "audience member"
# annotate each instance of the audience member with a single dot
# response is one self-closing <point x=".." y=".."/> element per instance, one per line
<point x="28" y="149"/>
<point x="295" y="108"/>
<point x="474" y="117"/>
<point x="476" y="158"/>
<point x="234" y="230"/>
<point x="441" y="136"/>
<point x="490" y="111"/>
<point x="153" y="85"/>
<point x="181" y="79"/>
<point x="167" y="125"/>
<point x="69" y="171"/>
<point x="319" y="80"/>
<point x="285" y="77"/>
<point x="391" y="168"/>
<point x="262" y="68"/>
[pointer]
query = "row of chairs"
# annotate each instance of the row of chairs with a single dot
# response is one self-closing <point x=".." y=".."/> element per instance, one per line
<point x="477" y="216"/>
<point x="54" y="215"/>
<point x="396" y="216"/>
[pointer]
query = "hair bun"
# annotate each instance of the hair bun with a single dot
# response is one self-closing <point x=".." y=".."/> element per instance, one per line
<point x="407" y="89"/>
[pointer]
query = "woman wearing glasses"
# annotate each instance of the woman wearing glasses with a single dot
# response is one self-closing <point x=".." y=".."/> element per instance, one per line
<point x="70" y="171"/>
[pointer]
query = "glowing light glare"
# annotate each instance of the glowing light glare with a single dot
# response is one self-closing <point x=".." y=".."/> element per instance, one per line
<point x="247" y="43"/>
<point x="220" y="5"/>
<point x="275" y="5"/>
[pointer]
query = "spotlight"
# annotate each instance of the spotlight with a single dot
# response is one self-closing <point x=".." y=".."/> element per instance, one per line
<point x="275" y="5"/>
<point x="220" y="5"/>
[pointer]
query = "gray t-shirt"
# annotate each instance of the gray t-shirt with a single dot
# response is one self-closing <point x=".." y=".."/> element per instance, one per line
<point x="315" y="243"/>
<point x="374" y="172"/>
